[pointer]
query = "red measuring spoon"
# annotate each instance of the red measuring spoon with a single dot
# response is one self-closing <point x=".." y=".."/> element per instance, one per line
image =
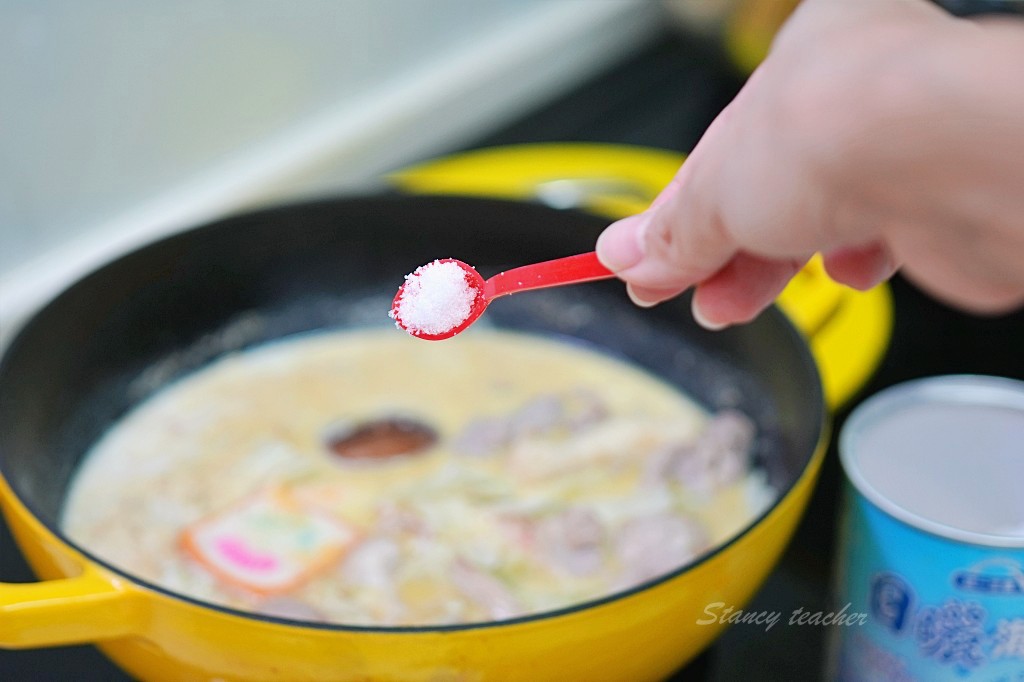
<point x="553" y="273"/>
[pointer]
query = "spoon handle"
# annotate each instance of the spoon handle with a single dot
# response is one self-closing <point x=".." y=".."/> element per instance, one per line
<point x="569" y="270"/>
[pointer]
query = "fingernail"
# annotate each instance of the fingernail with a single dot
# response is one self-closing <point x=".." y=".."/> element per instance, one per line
<point x="620" y="246"/>
<point x="700" y="319"/>
<point x="637" y="300"/>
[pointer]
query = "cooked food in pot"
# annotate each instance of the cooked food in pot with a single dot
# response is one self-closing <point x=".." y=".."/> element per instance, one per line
<point x="368" y="478"/>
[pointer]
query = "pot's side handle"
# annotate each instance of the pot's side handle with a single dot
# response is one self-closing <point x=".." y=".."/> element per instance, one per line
<point x="847" y="330"/>
<point x="87" y="608"/>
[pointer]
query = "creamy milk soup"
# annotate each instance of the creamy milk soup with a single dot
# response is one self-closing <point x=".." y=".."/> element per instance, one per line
<point x="372" y="478"/>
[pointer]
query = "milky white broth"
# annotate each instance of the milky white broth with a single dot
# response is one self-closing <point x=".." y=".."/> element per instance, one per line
<point x="558" y="475"/>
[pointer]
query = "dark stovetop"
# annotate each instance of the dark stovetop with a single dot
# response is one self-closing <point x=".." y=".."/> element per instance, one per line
<point x="665" y="97"/>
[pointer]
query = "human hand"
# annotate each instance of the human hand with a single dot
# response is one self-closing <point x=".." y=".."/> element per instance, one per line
<point x="858" y="137"/>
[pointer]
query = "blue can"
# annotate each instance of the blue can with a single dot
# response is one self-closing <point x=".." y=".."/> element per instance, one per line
<point x="932" y="534"/>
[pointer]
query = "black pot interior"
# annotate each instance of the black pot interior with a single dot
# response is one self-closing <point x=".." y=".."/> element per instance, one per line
<point x="161" y="312"/>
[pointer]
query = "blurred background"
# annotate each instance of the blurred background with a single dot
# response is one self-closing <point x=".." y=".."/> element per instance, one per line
<point x="122" y="122"/>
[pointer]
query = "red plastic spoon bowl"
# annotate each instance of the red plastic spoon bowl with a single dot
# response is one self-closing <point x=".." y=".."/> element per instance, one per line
<point x="553" y="273"/>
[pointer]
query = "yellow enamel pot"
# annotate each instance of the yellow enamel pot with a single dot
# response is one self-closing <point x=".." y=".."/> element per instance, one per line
<point x="120" y="334"/>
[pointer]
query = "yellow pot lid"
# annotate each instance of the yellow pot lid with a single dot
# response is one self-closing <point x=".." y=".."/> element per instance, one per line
<point x="848" y="331"/>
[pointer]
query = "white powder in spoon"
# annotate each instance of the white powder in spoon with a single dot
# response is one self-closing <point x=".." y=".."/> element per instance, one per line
<point x="436" y="298"/>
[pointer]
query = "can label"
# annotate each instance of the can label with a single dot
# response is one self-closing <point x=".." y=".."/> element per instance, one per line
<point x="932" y="533"/>
<point x="937" y="609"/>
